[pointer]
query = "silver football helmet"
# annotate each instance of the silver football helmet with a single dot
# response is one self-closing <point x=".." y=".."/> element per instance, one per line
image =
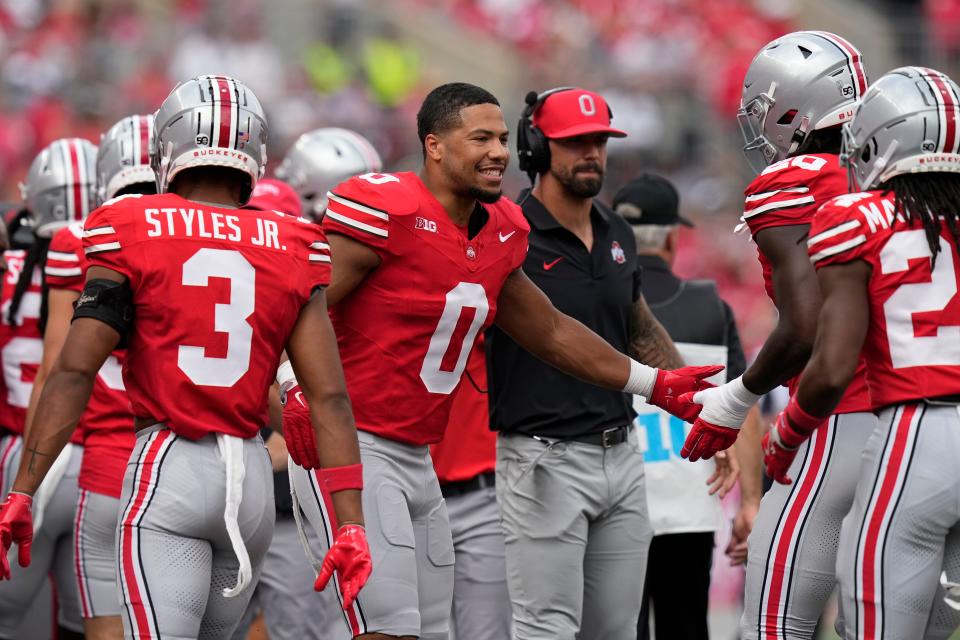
<point x="61" y="185"/>
<point x="323" y="158"/>
<point x="906" y="123"/>
<point x="123" y="158"/>
<point x="209" y="121"/>
<point x="800" y="82"/>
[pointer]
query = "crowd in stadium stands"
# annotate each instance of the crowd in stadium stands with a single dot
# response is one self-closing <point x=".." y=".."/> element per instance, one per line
<point x="72" y="68"/>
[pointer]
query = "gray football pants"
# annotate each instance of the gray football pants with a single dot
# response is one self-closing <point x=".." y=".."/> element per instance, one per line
<point x="904" y="527"/>
<point x="791" y="561"/>
<point x="411" y="587"/>
<point x="481" y="602"/>
<point x="175" y="556"/>
<point x="292" y="610"/>
<point x="52" y="551"/>
<point x="577" y="532"/>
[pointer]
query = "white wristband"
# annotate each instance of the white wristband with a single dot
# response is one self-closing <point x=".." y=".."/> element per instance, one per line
<point x="739" y="391"/>
<point x="285" y="375"/>
<point x="642" y="379"/>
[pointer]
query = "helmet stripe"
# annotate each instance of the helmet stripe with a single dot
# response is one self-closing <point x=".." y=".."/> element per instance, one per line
<point x="947" y="104"/>
<point x="854" y="61"/>
<point x="73" y="186"/>
<point x="223" y="97"/>
<point x="143" y="125"/>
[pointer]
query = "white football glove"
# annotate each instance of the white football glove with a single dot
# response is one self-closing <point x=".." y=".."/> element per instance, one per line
<point x="726" y="405"/>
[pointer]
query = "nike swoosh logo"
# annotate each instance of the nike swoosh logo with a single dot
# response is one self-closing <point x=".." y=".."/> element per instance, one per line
<point x="504" y="238"/>
<point x="299" y="397"/>
<point x="550" y="265"/>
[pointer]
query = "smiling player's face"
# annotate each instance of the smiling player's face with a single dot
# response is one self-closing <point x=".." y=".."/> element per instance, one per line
<point x="475" y="154"/>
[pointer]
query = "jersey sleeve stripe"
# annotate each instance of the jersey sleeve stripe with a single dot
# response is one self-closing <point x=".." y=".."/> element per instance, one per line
<point x="316" y="257"/>
<point x="833" y="231"/>
<point x="98" y="248"/>
<point x="769" y="194"/>
<point x="319" y="246"/>
<point x="350" y="222"/>
<point x="376" y="213"/>
<point x="780" y="204"/>
<point x="63" y="257"/>
<point x="97" y="231"/>
<point x="838" y="248"/>
<point x="63" y="272"/>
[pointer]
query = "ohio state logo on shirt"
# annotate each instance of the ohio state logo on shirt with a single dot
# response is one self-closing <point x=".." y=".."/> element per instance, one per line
<point x="617" y="252"/>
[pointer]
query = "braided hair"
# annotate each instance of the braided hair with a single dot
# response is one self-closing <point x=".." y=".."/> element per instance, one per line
<point x="36" y="259"/>
<point x="931" y="198"/>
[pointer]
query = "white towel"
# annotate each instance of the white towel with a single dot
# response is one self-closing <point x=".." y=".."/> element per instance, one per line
<point x="231" y="451"/>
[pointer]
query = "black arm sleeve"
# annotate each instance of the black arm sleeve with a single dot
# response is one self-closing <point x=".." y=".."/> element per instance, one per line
<point x="109" y="302"/>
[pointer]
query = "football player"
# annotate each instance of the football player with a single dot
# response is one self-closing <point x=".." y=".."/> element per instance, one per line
<point x="887" y="264"/>
<point x="323" y="158"/>
<point x="424" y="262"/>
<point x="797" y="92"/>
<point x="123" y="166"/>
<point x="60" y="188"/>
<point x="216" y="292"/>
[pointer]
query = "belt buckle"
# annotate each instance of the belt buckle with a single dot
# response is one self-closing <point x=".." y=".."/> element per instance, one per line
<point x="606" y="435"/>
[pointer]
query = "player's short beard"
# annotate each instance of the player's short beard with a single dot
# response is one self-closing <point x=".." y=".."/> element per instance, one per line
<point x="486" y="197"/>
<point x="577" y="185"/>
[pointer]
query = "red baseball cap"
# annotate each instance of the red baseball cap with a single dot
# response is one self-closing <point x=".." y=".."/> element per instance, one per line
<point x="275" y="195"/>
<point x="574" y="112"/>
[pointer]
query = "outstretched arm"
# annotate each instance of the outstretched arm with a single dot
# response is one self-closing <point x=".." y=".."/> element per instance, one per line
<point x="316" y="361"/>
<point x="526" y="314"/>
<point x="649" y="341"/>
<point x="66" y="392"/>
<point x="844" y="321"/>
<point x="787" y="348"/>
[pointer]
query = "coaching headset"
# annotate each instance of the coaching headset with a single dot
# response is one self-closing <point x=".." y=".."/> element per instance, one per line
<point x="533" y="147"/>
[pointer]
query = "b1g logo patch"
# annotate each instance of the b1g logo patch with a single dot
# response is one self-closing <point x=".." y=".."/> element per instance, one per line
<point x="426" y="225"/>
<point x="617" y="252"/>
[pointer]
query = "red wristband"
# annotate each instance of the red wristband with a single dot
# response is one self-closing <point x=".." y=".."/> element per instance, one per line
<point x="342" y="478"/>
<point x="800" y="419"/>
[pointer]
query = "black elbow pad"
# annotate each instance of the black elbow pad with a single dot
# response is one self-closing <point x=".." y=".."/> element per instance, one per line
<point x="109" y="302"/>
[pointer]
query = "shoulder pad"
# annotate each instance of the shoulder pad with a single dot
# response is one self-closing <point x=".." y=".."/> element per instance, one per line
<point x="511" y="212"/>
<point x="392" y="193"/>
<point x="113" y="201"/>
<point x="68" y="239"/>
<point x="797" y="170"/>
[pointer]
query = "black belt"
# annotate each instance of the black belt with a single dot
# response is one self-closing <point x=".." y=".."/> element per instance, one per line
<point x="460" y="487"/>
<point x="606" y="438"/>
<point x="950" y="399"/>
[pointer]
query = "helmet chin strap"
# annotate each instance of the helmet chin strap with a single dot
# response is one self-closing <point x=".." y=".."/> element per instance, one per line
<point x="800" y="134"/>
<point x="881" y="163"/>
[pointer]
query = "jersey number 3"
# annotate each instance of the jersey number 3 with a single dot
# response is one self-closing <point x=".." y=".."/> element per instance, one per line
<point x="230" y="318"/>
<point x="437" y="377"/>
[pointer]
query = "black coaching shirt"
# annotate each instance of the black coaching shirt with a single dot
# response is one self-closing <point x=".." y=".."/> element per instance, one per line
<point x="598" y="288"/>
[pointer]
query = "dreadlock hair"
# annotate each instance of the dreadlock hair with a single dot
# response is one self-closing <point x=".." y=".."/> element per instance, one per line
<point x="930" y="198"/>
<point x="36" y="258"/>
<point x="821" y="141"/>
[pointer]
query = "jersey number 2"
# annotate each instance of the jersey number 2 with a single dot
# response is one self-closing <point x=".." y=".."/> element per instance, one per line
<point x="906" y="348"/>
<point x="464" y="295"/>
<point x="230" y="318"/>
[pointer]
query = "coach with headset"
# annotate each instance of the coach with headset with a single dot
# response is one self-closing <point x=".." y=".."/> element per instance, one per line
<point x="569" y="474"/>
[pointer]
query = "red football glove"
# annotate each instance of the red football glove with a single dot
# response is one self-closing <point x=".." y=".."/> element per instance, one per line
<point x="16" y="526"/>
<point x="670" y="385"/>
<point x="350" y="557"/>
<point x="780" y="443"/>
<point x="298" y="428"/>
<point x="706" y="439"/>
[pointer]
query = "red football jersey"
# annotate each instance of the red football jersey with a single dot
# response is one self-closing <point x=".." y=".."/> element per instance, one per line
<point x="107" y="423"/>
<point x="406" y="331"/>
<point x="216" y="294"/>
<point x="913" y="344"/>
<point x="469" y="447"/>
<point x="789" y="193"/>
<point x="21" y="344"/>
